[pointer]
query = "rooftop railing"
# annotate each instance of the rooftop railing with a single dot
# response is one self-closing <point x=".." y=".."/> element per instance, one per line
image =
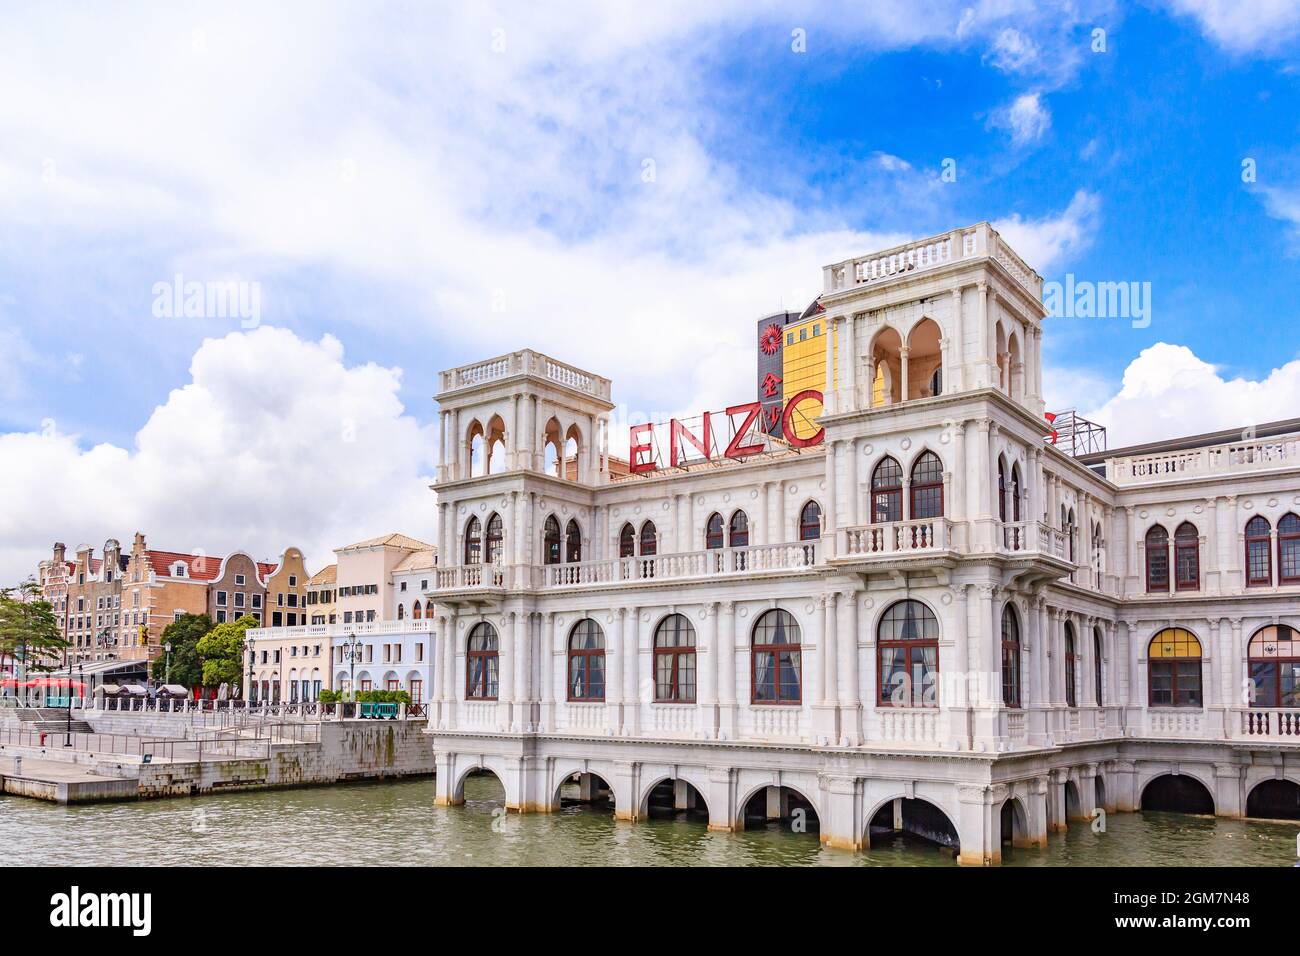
<point x="526" y="362"/>
<point x="913" y="257"/>
<point x="1212" y="461"/>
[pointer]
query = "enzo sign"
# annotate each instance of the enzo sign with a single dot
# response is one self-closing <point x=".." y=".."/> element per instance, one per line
<point x="743" y="422"/>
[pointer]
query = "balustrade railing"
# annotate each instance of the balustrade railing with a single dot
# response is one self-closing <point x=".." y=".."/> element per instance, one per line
<point x="1271" y="723"/>
<point x="921" y="535"/>
<point x="1228" y="458"/>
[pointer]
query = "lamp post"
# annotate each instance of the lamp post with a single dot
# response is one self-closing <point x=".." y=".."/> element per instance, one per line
<point x="352" y="647"/>
<point x="167" y="669"/>
<point x="67" y="737"/>
<point x="252" y="661"/>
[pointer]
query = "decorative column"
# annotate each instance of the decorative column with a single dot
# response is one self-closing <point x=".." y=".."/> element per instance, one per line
<point x="707" y="655"/>
<point x="1241" y="697"/>
<point x="828" y="393"/>
<point x="825" y="706"/>
<point x="727" y="672"/>
<point x="614" y="671"/>
<point x="546" y="647"/>
<point x="955" y="374"/>
<point x="829" y="516"/>
<point x="632" y="674"/>
<point x="850" y="693"/>
<point x="903" y="352"/>
<point x="986" y="373"/>
<point x="851" y="495"/>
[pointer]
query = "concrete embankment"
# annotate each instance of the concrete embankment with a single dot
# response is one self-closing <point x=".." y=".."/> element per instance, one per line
<point x="345" y="750"/>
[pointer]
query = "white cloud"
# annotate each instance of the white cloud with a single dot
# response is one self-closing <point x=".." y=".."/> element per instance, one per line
<point x="1045" y="242"/>
<point x="1284" y="204"/>
<point x="275" y="441"/>
<point x="1263" y="26"/>
<point x="1168" y="392"/>
<point x="1026" y="118"/>
<point x="1013" y="51"/>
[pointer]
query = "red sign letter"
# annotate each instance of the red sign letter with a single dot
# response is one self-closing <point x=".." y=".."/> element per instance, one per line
<point x="735" y="449"/>
<point x="790" y="436"/>
<point x="636" y="465"/>
<point x="680" y="431"/>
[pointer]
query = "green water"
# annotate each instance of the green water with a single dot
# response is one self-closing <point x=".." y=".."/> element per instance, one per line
<point x="397" y="823"/>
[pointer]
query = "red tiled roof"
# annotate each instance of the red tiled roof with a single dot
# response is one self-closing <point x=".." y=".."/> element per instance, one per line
<point x="201" y="568"/>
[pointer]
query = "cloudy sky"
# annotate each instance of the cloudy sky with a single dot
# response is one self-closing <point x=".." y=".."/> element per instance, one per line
<point x="625" y="185"/>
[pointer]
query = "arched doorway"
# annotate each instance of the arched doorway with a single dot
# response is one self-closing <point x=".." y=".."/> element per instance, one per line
<point x="1177" y="794"/>
<point x="582" y="791"/>
<point x="780" y="808"/>
<point x="1274" y="800"/>
<point x="908" y="820"/>
<point x="1015" y="826"/>
<point x="673" y="799"/>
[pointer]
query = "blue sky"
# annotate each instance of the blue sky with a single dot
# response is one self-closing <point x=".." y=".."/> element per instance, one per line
<point x="412" y="189"/>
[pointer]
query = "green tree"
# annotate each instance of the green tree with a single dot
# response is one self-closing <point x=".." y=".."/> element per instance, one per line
<point x="29" y="629"/>
<point x="186" y="665"/>
<point x="222" y="651"/>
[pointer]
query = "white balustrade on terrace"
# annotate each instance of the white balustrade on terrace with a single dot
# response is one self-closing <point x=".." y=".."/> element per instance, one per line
<point x="1272" y="722"/>
<point x="913" y="257"/>
<point x="896" y="537"/>
<point x="689" y="564"/>
<point x="1214" y="460"/>
<point x="526" y="362"/>
<point x="1034" y="536"/>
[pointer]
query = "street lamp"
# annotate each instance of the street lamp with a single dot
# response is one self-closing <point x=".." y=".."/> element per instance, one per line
<point x="352" y="647"/>
<point x="167" y="670"/>
<point x="252" y="661"/>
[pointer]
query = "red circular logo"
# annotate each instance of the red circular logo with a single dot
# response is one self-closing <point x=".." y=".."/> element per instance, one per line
<point x="770" y="340"/>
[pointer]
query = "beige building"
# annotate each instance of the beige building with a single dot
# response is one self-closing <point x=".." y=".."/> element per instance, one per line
<point x="320" y="595"/>
<point x="286" y="591"/>
<point x="364" y="571"/>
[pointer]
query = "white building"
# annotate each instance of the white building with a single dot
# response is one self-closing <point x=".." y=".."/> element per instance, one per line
<point x="933" y="619"/>
<point x="380" y="639"/>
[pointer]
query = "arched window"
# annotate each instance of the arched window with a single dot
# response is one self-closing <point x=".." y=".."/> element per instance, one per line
<point x="649" y="540"/>
<point x="936" y="382"/>
<point x="1288" y="550"/>
<point x="1015" y="492"/>
<point x="1174" y="669"/>
<point x="494" y="539"/>
<point x="810" y="522"/>
<point x="887" y="491"/>
<point x="401" y="613"/>
<point x="572" y="542"/>
<point x="1274" y="658"/>
<point x="1157" y="547"/>
<point x="481" y="663"/>
<point x="586" y="661"/>
<point x="1010" y="657"/>
<point x="908" y="642"/>
<point x="428" y="609"/>
<point x="1187" y="557"/>
<point x="738" y="531"/>
<point x="775" y="664"/>
<point x="415" y="611"/>
<point x="1002" y="488"/>
<point x="627" y="542"/>
<point x="675" y="660"/>
<point x="1259" y="552"/>
<point x="473" y="542"/>
<point x="927" y="487"/>
<point x="551" y="541"/>
<point x="713" y="531"/>
<point x="1069" y="537"/>
<point x="1071" y="668"/>
<point x="1097" y="655"/>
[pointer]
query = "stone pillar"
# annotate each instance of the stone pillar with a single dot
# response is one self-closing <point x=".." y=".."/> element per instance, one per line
<point x="614" y="667"/>
<point x="1036" y="822"/>
<point x="955" y="374"/>
<point x="1229" y="796"/>
<point x="850" y="691"/>
<point x="841" y="825"/>
<point x="851" y="492"/>
<point x="721" y="800"/>
<point x="1121" y="786"/>
<point x="707" y="655"/>
<point x="1056" y="800"/>
<point x="828" y="393"/>
<point x="829" y="515"/>
<point x="727" y="671"/>
<point x="1087" y="785"/>
<point x="823" y="689"/>
<point x="549" y="640"/>
<point x="632" y="674"/>
<point x="1241" y="695"/>
<point x="521" y="717"/>
<point x="985" y="373"/>
<point x="903" y="352"/>
<point x="979" y="826"/>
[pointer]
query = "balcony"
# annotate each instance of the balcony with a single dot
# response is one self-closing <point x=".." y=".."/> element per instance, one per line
<point x="473" y="580"/>
<point x="915" y="258"/>
<point x="1271" y="724"/>
<point x="1213" y="461"/>
<point x="896" y="538"/>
